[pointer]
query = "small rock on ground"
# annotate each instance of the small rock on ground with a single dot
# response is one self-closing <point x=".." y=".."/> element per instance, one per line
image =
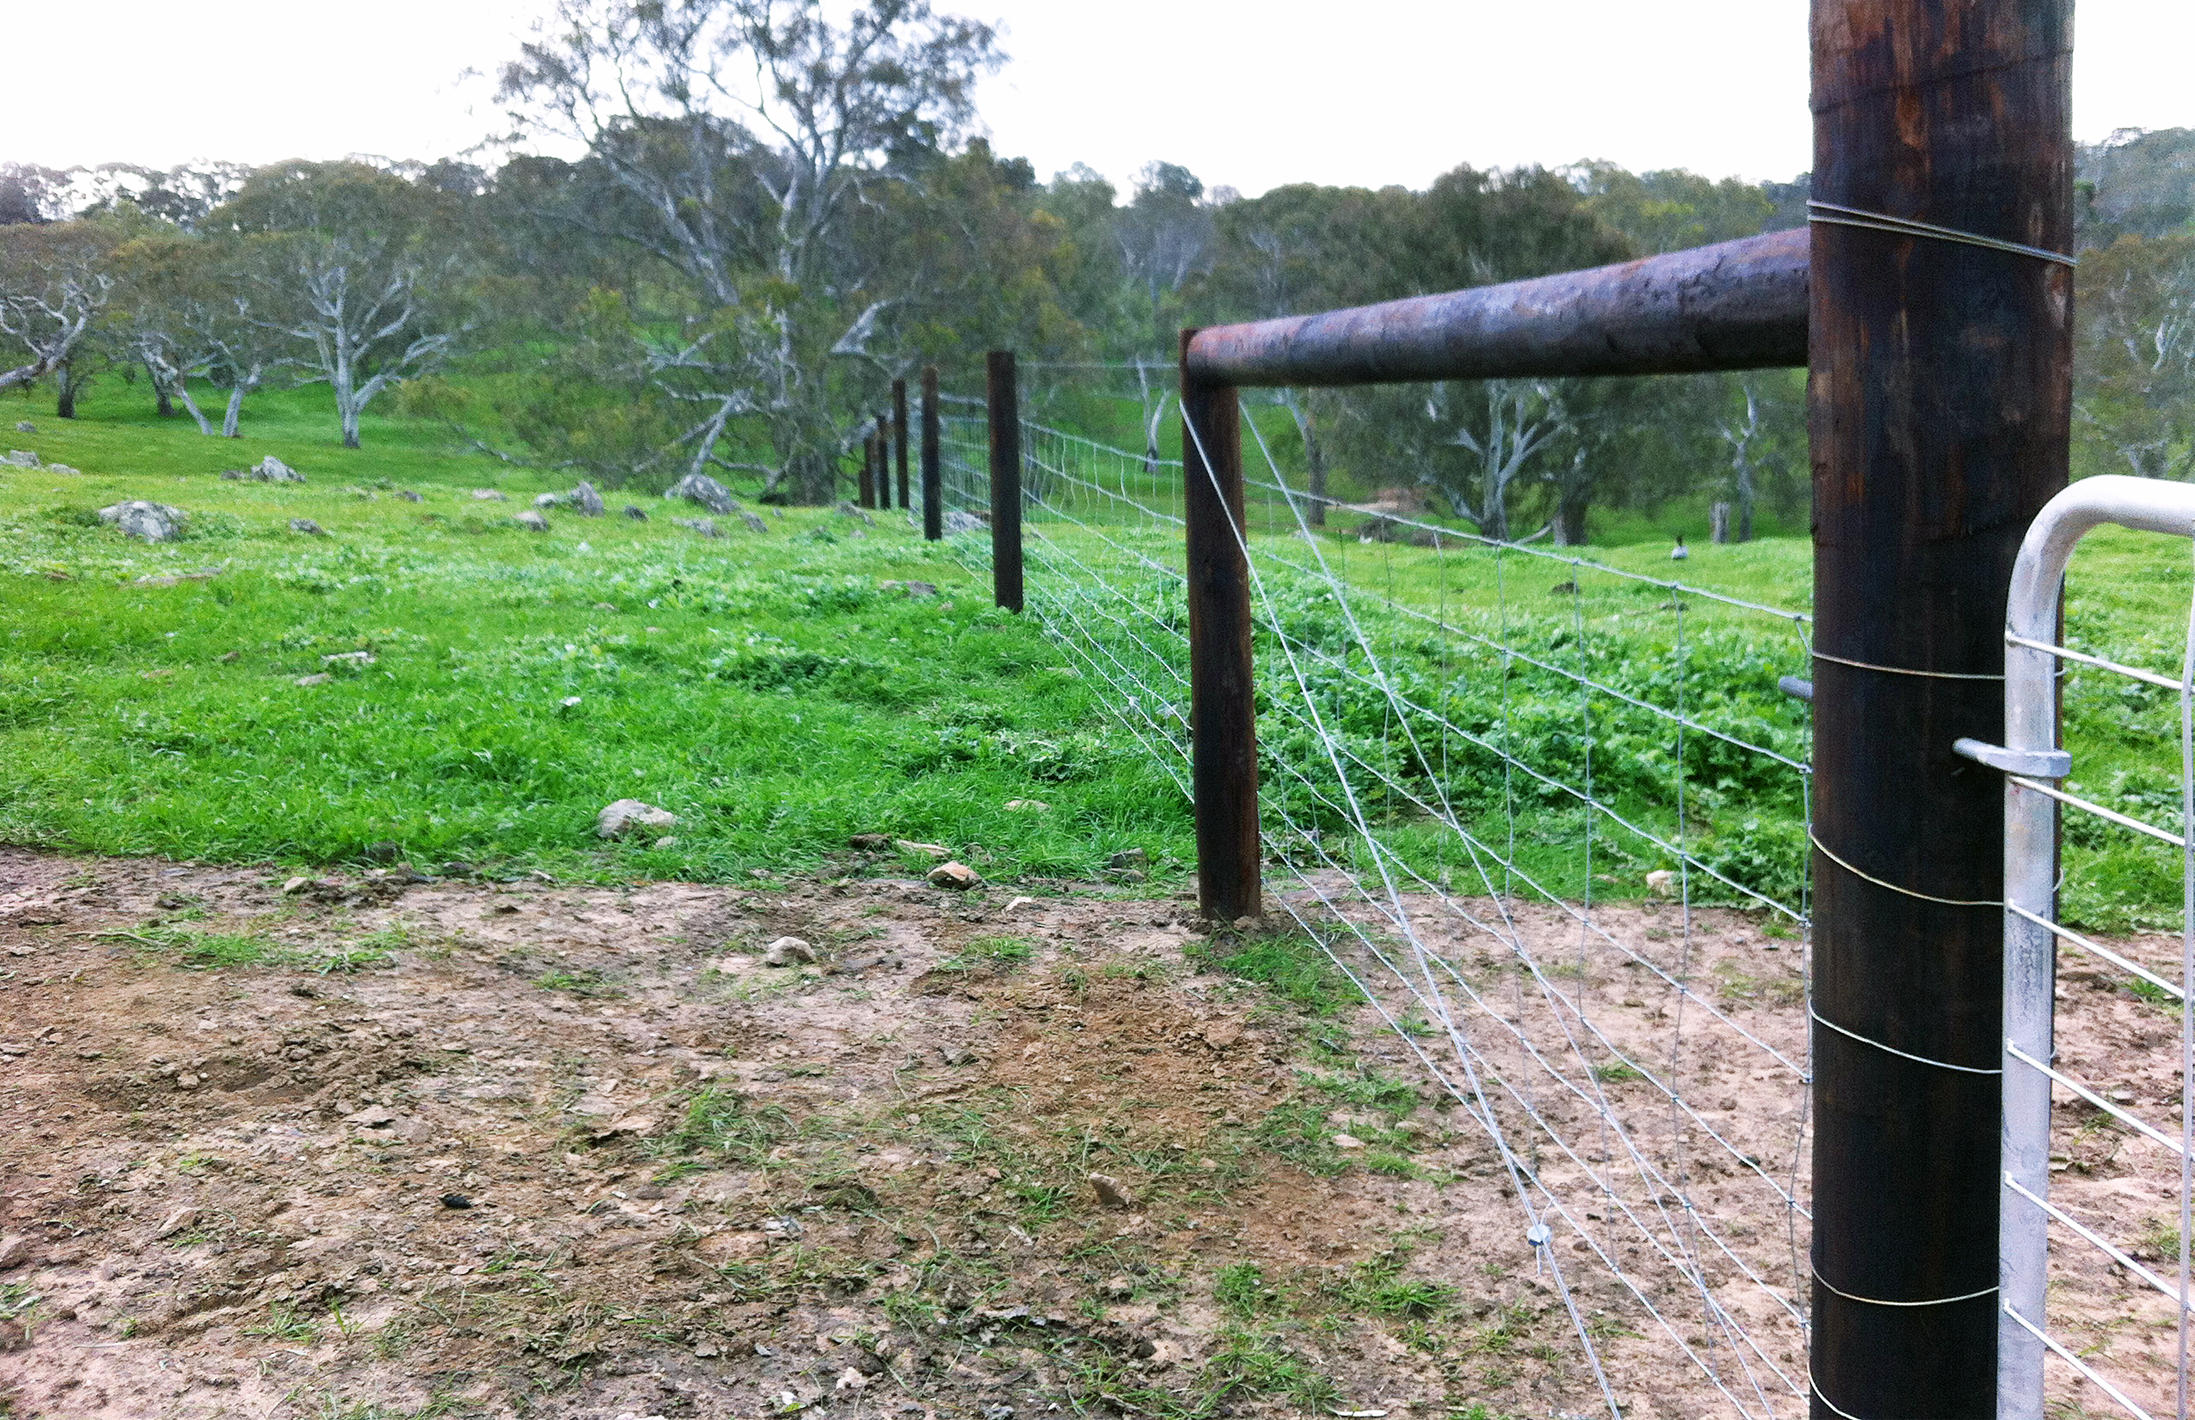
<point x="489" y="495"/>
<point x="705" y="526"/>
<point x="1109" y="1191"/>
<point x="702" y="489"/>
<point x="22" y="458"/>
<point x="533" y="520"/>
<point x="154" y="522"/>
<point x="953" y="875"/>
<point x="637" y="513"/>
<point x="788" y="951"/>
<point x="622" y="817"/>
<point x="754" y="524"/>
<point x="409" y="496"/>
<point x="24" y="426"/>
<point x="272" y="470"/>
<point x="308" y="527"/>
<point x="586" y="500"/>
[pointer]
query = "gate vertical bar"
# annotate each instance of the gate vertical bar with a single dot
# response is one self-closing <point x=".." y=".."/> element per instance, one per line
<point x="933" y="478"/>
<point x="1222" y="713"/>
<point x="1005" y="411"/>
<point x="1939" y="397"/>
<point x="899" y="439"/>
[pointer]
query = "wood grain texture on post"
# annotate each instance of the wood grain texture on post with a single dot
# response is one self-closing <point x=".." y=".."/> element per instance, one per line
<point x="1004" y="408"/>
<point x="933" y="476"/>
<point x="899" y="439"/>
<point x="1939" y="405"/>
<point x="1223" y="741"/>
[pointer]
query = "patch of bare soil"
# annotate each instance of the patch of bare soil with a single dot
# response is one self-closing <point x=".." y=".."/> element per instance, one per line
<point x="376" y="1148"/>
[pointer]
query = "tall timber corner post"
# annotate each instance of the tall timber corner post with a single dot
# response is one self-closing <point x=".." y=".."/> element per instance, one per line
<point x="1222" y="680"/>
<point x="1939" y="413"/>
<point x="1004" y="407"/>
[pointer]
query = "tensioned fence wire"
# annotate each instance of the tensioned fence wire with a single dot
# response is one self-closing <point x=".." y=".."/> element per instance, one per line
<point x="1556" y="837"/>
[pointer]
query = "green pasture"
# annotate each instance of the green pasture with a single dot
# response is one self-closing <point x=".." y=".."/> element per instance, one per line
<point x="774" y="692"/>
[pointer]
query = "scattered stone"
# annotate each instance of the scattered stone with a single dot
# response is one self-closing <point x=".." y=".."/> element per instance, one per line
<point x="1118" y="1289"/>
<point x="175" y="1223"/>
<point x="357" y="659"/>
<point x="569" y="702"/>
<point x="1020" y="902"/>
<point x="1027" y="806"/>
<point x="585" y="499"/>
<point x="847" y="509"/>
<point x="24" y="426"/>
<point x="60" y="468"/>
<point x="921" y="589"/>
<point x="295" y="886"/>
<point x="869" y="842"/>
<point x="850" y="1382"/>
<point x="549" y="500"/>
<point x="411" y="497"/>
<point x="154" y="522"/>
<point x="1129" y="858"/>
<point x="272" y="470"/>
<point x="308" y="527"/>
<point x="22" y="458"/>
<point x="639" y="1126"/>
<point x="788" y="951"/>
<point x="637" y="513"/>
<point x="489" y="495"/>
<point x="1662" y="883"/>
<point x="667" y="842"/>
<point x="702" y="489"/>
<point x="14" y="1252"/>
<point x="625" y="815"/>
<point x="456" y="1200"/>
<point x="321" y="678"/>
<point x="1110" y="1193"/>
<point x="1347" y="1141"/>
<point x="955" y="521"/>
<point x="1000" y="1411"/>
<point x="373" y="1116"/>
<point x="705" y="526"/>
<point x="754" y="524"/>
<point x="533" y="520"/>
<point x="958" y="876"/>
<point x="955" y="1054"/>
<point x="926" y="850"/>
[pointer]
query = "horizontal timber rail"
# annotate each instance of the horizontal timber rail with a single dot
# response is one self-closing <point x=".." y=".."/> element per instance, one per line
<point x="1734" y="306"/>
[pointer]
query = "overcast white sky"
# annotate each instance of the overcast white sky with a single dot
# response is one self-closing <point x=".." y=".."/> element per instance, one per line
<point x="1249" y="95"/>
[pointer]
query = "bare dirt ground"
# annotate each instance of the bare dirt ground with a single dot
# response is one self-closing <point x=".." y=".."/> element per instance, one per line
<point x="376" y="1148"/>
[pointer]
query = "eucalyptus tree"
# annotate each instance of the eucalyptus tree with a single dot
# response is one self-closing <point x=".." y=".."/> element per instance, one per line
<point x="356" y="276"/>
<point x="2134" y="355"/>
<point x="742" y="141"/>
<point x="190" y="308"/>
<point x="55" y="284"/>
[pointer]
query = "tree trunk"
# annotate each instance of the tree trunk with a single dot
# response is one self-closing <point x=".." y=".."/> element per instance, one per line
<point x="1314" y="459"/>
<point x="813" y="478"/>
<point x="1568" y="524"/>
<point x="1718" y="520"/>
<point x="163" y="405"/>
<point x="235" y="410"/>
<point x="65" y="391"/>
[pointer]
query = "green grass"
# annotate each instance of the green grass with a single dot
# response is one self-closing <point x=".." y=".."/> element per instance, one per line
<point x="184" y="947"/>
<point x="772" y="692"/>
<point x="766" y="689"/>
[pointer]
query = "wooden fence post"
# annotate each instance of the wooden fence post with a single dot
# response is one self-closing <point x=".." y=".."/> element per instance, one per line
<point x="1222" y="715"/>
<point x="933" y="490"/>
<point x="899" y="439"/>
<point x="1939" y="409"/>
<point x="883" y="462"/>
<point x="866" y="498"/>
<point x="1005" y="412"/>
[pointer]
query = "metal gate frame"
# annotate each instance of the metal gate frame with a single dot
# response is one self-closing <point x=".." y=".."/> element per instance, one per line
<point x="2031" y="760"/>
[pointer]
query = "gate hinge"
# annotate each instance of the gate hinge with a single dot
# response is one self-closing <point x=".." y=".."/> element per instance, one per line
<point x="2034" y="763"/>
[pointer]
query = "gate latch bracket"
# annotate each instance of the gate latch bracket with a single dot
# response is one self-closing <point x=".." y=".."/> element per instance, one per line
<point x="2033" y="763"/>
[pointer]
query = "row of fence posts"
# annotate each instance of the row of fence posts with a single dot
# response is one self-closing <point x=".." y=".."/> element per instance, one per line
<point x="884" y="453"/>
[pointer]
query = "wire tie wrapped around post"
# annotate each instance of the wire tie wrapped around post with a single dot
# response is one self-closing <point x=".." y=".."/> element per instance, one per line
<point x="1836" y="214"/>
<point x="1820" y="1019"/>
<point x="1904" y="670"/>
<point x="1868" y="877"/>
<point x="1541" y="1237"/>
<point x="1822" y="1281"/>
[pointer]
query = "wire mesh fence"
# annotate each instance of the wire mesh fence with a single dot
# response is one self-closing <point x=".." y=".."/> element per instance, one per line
<point x="1549" y="816"/>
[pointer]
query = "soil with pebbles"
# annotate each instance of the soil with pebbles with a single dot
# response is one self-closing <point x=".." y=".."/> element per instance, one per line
<point x="505" y="1149"/>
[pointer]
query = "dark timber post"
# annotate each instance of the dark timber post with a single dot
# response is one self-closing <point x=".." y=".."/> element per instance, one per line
<point x="1222" y="720"/>
<point x="1005" y="412"/>
<point x="867" y="498"/>
<point x="883" y="462"/>
<point x="899" y="439"/>
<point x="933" y="490"/>
<point x="1939" y="411"/>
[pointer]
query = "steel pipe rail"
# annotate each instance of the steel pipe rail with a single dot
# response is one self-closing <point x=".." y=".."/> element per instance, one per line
<point x="1734" y="306"/>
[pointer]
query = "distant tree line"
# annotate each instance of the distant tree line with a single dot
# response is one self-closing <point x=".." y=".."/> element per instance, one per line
<point x="778" y="209"/>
